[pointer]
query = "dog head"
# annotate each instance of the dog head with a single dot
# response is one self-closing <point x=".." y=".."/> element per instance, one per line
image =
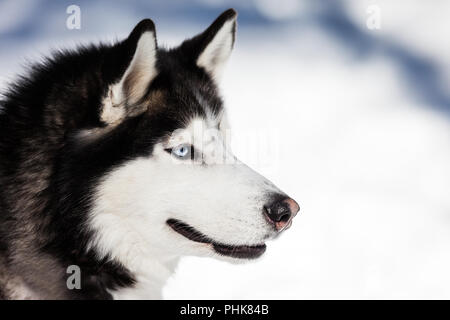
<point x="172" y="186"/>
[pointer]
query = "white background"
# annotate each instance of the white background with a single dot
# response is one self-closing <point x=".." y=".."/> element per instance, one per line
<point x="367" y="157"/>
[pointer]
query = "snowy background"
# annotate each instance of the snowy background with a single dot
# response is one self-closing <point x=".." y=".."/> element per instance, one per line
<point x="360" y="120"/>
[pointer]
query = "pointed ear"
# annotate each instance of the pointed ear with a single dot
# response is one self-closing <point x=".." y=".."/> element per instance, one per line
<point x="212" y="48"/>
<point x="124" y="96"/>
<point x="218" y="41"/>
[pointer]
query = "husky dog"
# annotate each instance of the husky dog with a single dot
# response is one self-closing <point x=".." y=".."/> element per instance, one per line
<point x="101" y="168"/>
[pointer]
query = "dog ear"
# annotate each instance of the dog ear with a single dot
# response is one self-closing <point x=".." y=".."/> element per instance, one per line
<point x="212" y="48"/>
<point x="124" y="96"/>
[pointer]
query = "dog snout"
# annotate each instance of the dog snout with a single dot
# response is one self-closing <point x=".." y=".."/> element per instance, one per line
<point x="281" y="212"/>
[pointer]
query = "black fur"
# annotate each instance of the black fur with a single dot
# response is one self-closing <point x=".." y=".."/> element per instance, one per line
<point x="47" y="173"/>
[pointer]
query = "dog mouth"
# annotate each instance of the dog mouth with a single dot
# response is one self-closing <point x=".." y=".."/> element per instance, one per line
<point x="240" y="252"/>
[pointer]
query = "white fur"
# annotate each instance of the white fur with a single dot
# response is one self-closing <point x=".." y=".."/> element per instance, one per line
<point x="217" y="194"/>
<point x="140" y="73"/>
<point x="133" y="203"/>
<point x="217" y="52"/>
<point x="111" y="113"/>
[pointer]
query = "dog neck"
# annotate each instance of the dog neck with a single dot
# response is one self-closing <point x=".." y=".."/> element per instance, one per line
<point x="150" y="278"/>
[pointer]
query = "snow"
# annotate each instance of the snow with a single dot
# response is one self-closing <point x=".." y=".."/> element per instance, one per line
<point x="370" y="169"/>
<point x="348" y="137"/>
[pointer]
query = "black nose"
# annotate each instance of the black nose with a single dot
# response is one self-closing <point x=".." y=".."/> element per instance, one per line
<point x="281" y="212"/>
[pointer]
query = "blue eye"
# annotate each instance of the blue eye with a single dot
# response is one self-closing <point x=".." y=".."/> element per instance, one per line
<point x="182" y="151"/>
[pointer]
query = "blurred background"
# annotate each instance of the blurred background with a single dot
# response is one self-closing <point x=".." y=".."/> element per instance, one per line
<point x="354" y="99"/>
